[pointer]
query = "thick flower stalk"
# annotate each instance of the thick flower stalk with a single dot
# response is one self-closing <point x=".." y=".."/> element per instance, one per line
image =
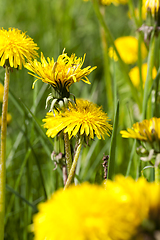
<point x="84" y="121"/>
<point x="15" y="47"/>
<point x="90" y="211"/>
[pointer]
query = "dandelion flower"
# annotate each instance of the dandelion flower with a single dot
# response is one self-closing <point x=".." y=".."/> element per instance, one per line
<point x="62" y="73"/>
<point x="86" y="118"/>
<point x="15" y="46"/>
<point x="140" y="200"/>
<point x="134" y="74"/>
<point x="147" y="130"/>
<point x="108" y="2"/>
<point x="152" y="5"/>
<point x="90" y="211"/>
<point x="128" y="49"/>
<point x="115" y="2"/>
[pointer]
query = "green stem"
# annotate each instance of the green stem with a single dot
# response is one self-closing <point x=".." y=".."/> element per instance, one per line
<point x="122" y="64"/>
<point x="132" y="12"/>
<point x="74" y="164"/>
<point x="3" y="153"/>
<point x="108" y="80"/>
<point x="148" y="83"/>
<point x="68" y="152"/>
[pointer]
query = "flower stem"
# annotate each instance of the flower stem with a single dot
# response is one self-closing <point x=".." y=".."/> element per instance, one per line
<point x="108" y="80"/>
<point x="3" y="153"/>
<point x="68" y="152"/>
<point x="74" y="164"/>
<point x="148" y="81"/>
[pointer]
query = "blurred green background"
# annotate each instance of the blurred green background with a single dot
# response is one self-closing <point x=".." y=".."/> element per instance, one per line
<point x="55" y="25"/>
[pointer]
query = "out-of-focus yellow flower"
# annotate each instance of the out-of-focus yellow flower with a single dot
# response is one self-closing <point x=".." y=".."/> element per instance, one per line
<point x="152" y="5"/>
<point x="147" y="130"/>
<point x="139" y="208"/>
<point x="15" y="46"/>
<point x="9" y="118"/>
<point x="1" y="92"/>
<point x="128" y="49"/>
<point x="86" y="118"/>
<point x="134" y="74"/>
<point x="62" y="73"/>
<point x="115" y="2"/>
<point x="119" y="210"/>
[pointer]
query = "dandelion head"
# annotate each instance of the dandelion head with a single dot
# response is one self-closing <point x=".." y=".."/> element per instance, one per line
<point x="90" y="211"/>
<point x="108" y="2"/>
<point x="128" y="49"/>
<point x="62" y="73"/>
<point x="115" y="2"/>
<point x="151" y="5"/>
<point x="85" y="118"/>
<point x="147" y="130"/>
<point x="15" y="48"/>
<point x="140" y="200"/>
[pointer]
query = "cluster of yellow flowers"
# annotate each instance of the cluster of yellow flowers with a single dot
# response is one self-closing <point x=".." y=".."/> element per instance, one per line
<point x="118" y="210"/>
<point x="16" y="46"/>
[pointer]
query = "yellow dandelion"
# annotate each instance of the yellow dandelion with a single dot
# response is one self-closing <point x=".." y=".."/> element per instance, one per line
<point x="9" y="118"/>
<point x="1" y="92"/>
<point x="15" y="47"/>
<point x="147" y="130"/>
<point x="115" y="2"/>
<point x="62" y="73"/>
<point x="79" y="211"/>
<point x="128" y="49"/>
<point x="134" y="74"/>
<point x="118" y="211"/>
<point x="140" y="200"/>
<point x="86" y="118"/>
<point x="152" y="5"/>
<point x="108" y="2"/>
